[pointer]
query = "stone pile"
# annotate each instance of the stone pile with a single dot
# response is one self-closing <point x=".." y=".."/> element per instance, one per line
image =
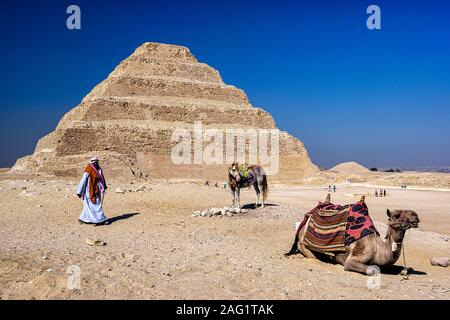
<point x="225" y="211"/>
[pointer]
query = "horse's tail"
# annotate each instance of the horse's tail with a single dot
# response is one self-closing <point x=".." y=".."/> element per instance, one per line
<point x="265" y="187"/>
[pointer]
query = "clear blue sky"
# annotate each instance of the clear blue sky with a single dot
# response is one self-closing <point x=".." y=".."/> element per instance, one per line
<point x="379" y="97"/>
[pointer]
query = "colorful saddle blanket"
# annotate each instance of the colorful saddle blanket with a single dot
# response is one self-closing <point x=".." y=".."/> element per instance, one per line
<point x="332" y="227"/>
<point x="247" y="175"/>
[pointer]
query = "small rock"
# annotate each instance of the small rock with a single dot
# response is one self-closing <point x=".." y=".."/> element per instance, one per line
<point x="92" y="242"/>
<point x="441" y="262"/>
<point x="119" y="190"/>
<point x="196" y="213"/>
<point x="49" y="270"/>
<point x="45" y="257"/>
<point x="141" y="188"/>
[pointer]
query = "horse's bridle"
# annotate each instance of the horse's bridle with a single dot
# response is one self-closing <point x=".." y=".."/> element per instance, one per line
<point x="234" y="177"/>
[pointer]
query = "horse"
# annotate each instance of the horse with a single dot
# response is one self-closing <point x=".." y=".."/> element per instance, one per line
<point x="256" y="177"/>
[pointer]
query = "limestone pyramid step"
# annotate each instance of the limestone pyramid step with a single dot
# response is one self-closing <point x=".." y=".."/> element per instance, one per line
<point x="169" y="87"/>
<point x="141" y="66"/>
<point x="155" y="111"/>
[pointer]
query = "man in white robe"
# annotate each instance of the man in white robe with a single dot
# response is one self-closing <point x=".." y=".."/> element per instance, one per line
<point x="91" y="189"/>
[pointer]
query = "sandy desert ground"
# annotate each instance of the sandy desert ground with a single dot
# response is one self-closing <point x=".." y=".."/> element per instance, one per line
<point x="155" y="249"/>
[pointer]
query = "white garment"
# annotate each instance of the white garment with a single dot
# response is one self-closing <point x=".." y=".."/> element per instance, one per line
<point x="92" y="212"/>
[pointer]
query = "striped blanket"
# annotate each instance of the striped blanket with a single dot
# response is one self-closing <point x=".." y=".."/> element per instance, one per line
<point x="325" y="228"/>
<point x="329" y="227"/>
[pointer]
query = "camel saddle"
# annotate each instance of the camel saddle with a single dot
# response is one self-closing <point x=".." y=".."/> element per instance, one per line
<point x="331" y="227"/>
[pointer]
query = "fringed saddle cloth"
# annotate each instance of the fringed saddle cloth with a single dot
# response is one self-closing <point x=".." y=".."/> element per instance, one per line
<point x="332" y="227"/>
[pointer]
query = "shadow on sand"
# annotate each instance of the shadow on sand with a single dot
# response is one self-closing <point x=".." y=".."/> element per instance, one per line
<point x="253" y="205"/>
<point x="119" y="217"/>
<point x="396" y="270"/>
<point x="391" y="270"/>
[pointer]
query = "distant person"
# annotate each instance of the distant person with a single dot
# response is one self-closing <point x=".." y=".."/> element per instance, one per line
<point x="92" y="189"/>
<point x="376" y="193"/>
<point x="329" y="188"/>
<point x="384" y="192"/>
<point x="334" y="188"/>
<point x="381" y="192"/>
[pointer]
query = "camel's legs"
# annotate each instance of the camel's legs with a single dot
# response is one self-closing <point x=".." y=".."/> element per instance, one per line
<point x="306" y="252"/>
<point x="340" y="258"/>
<point x="356" y="266"/>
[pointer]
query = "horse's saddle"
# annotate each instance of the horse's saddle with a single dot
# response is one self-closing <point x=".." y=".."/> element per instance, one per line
<point x="329" y="227"/>
<point x="251" y="177"/>
<point x="247" y="175"/>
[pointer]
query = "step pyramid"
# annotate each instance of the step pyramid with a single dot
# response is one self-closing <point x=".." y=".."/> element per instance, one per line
<point x="129" y="118"/>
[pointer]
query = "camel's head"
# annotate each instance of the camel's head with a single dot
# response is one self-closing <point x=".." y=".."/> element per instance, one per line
<point x="233" y="171"/>
<point x="403" y="219"/>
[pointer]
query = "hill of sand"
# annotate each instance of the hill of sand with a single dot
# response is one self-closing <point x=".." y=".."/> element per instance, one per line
<point x="128" y="120"/>
<point x="350" y="168"/>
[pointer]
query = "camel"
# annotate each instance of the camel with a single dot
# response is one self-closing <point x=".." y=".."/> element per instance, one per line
<point x="371" y="249"/>
<point x="257" y="177"/>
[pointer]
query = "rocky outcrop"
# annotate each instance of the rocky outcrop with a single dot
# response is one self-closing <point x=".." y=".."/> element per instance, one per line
<point x="128" y="120"/>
